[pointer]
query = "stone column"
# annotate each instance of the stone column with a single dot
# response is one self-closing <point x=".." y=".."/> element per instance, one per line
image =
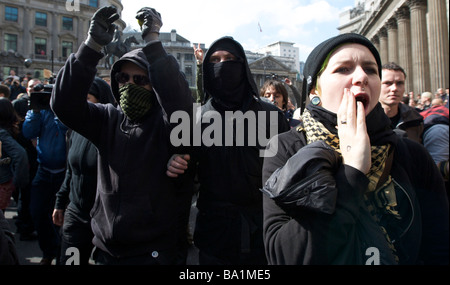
<point x="419" y="45"/>
<point x="404" y="45"/>
<point x="376" y="42"/>
<point x="392" y="40"/>
<point x="438" y="40"/>
<point x="384" y="48"/>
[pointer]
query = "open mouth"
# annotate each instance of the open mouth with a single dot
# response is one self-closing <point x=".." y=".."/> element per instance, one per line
<point x="363" y="98"/>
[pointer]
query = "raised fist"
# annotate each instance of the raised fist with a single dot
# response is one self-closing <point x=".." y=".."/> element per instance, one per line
<point x="101" y="31"/>
<point x="150" y="21"/>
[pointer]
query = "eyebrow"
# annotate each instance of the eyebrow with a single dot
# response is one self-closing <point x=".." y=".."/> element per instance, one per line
<point x="364" y="63"/>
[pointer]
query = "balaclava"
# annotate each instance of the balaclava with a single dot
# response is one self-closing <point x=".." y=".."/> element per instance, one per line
<point x="226" y="82"/>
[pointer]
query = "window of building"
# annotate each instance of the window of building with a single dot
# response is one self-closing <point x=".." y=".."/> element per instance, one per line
<point x="11" y="14"/>
<point x="67" y="23"/>
<point x="188" y="70"/>
<point x="93" y="3"/>
<point x="189" y="57"/>
<point x="41" y="19"/>
<point x="67" y="48"/>
<point x="10" y="42"/>
<point x="40" y="46"/>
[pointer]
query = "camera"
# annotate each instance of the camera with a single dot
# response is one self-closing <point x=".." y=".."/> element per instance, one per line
<point x="40" y="97"/>
<point x="276" y="77"/>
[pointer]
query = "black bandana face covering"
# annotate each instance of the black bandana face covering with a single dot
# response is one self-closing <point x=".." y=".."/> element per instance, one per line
<point x="226" y="83"/>
<point x="135" y="101"/>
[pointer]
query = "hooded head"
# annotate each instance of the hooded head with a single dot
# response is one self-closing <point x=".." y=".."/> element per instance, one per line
<point x="135" y="56"/>
<point x="102" y="91"/>
<point x="228" y="82"/>
<point x="134" y="92"/>
<point x="318" y="58"/>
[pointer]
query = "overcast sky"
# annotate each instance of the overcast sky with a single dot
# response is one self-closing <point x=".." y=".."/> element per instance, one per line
<point x="254" y="23"/>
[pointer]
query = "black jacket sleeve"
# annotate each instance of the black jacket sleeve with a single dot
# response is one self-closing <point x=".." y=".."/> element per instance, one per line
<point x="172" y="89"/>
<point x="72" y="85"/>
<point x="301" y="235"/>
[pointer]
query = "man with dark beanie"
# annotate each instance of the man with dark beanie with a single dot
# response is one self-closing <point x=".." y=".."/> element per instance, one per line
<point x="136" y="214"/>
<point x="343" y="188"/>
<point x="228" y="228"/>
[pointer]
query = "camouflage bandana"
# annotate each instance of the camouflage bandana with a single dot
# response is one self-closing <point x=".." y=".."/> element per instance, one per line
<point x="135" y="101"/>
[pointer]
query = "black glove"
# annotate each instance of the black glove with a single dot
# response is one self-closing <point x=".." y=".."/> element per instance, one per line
<point x="150" y="21"/>
<point x="102" y="29"/>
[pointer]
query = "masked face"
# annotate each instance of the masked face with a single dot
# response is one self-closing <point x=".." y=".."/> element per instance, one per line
<point x="225" y="79"/>
<point x="135" y="101"/>
<point x="227" y="75"/>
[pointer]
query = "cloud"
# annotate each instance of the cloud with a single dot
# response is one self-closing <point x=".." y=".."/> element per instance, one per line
<point x="282" y="20"/>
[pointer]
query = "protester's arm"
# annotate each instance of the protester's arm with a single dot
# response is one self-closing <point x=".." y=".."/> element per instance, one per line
<point x="62" y="199"/>
<point x="19" y="159"/>
<point x="199" y="84"/>
<point x="31" y="127"/>
<point x="168" y="82"/>
<point x="75" y="78"/>
<point x="198" y="53"/>
<point x="295" y="92"/>
<point x="170" y="85"/>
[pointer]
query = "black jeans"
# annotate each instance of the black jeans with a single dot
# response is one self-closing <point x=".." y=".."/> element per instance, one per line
<point x="76" y="239"/>
<point x="44" y="188"/>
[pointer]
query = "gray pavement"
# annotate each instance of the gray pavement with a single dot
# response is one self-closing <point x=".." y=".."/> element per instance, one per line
<point x="30" y="254"/>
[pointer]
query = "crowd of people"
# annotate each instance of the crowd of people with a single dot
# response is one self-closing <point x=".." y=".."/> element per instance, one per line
<point x="351" y="165"/>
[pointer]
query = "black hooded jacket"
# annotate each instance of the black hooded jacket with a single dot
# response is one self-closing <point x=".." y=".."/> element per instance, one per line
<point x="230" y="173"/>
<point x="135" y="211"/>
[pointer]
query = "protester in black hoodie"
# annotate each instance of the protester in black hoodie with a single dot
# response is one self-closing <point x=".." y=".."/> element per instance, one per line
<point x="228" y="228"/>
<point x="135" y="215"/>
<point x="76" y="196"/>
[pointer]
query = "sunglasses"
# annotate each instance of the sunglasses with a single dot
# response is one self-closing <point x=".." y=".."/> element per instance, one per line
<point x="140" y="80"/>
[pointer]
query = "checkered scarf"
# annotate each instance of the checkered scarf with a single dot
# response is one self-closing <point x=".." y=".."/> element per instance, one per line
<point x="315" y="131"/>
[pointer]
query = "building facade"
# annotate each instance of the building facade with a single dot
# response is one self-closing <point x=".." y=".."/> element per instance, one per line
<point x="262" y="66"/>
<point x="45" y="31"/>
<point x="285" y="50"/>
<point x="412" y="33"/>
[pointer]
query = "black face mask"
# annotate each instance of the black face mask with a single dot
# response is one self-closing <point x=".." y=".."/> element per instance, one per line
<point x="226" y="83"/>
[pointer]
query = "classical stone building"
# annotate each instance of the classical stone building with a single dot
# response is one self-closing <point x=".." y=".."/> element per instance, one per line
<point x="413" y="33"/>
<point x="262" y="66"/>
<point x="45" y="31"/>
